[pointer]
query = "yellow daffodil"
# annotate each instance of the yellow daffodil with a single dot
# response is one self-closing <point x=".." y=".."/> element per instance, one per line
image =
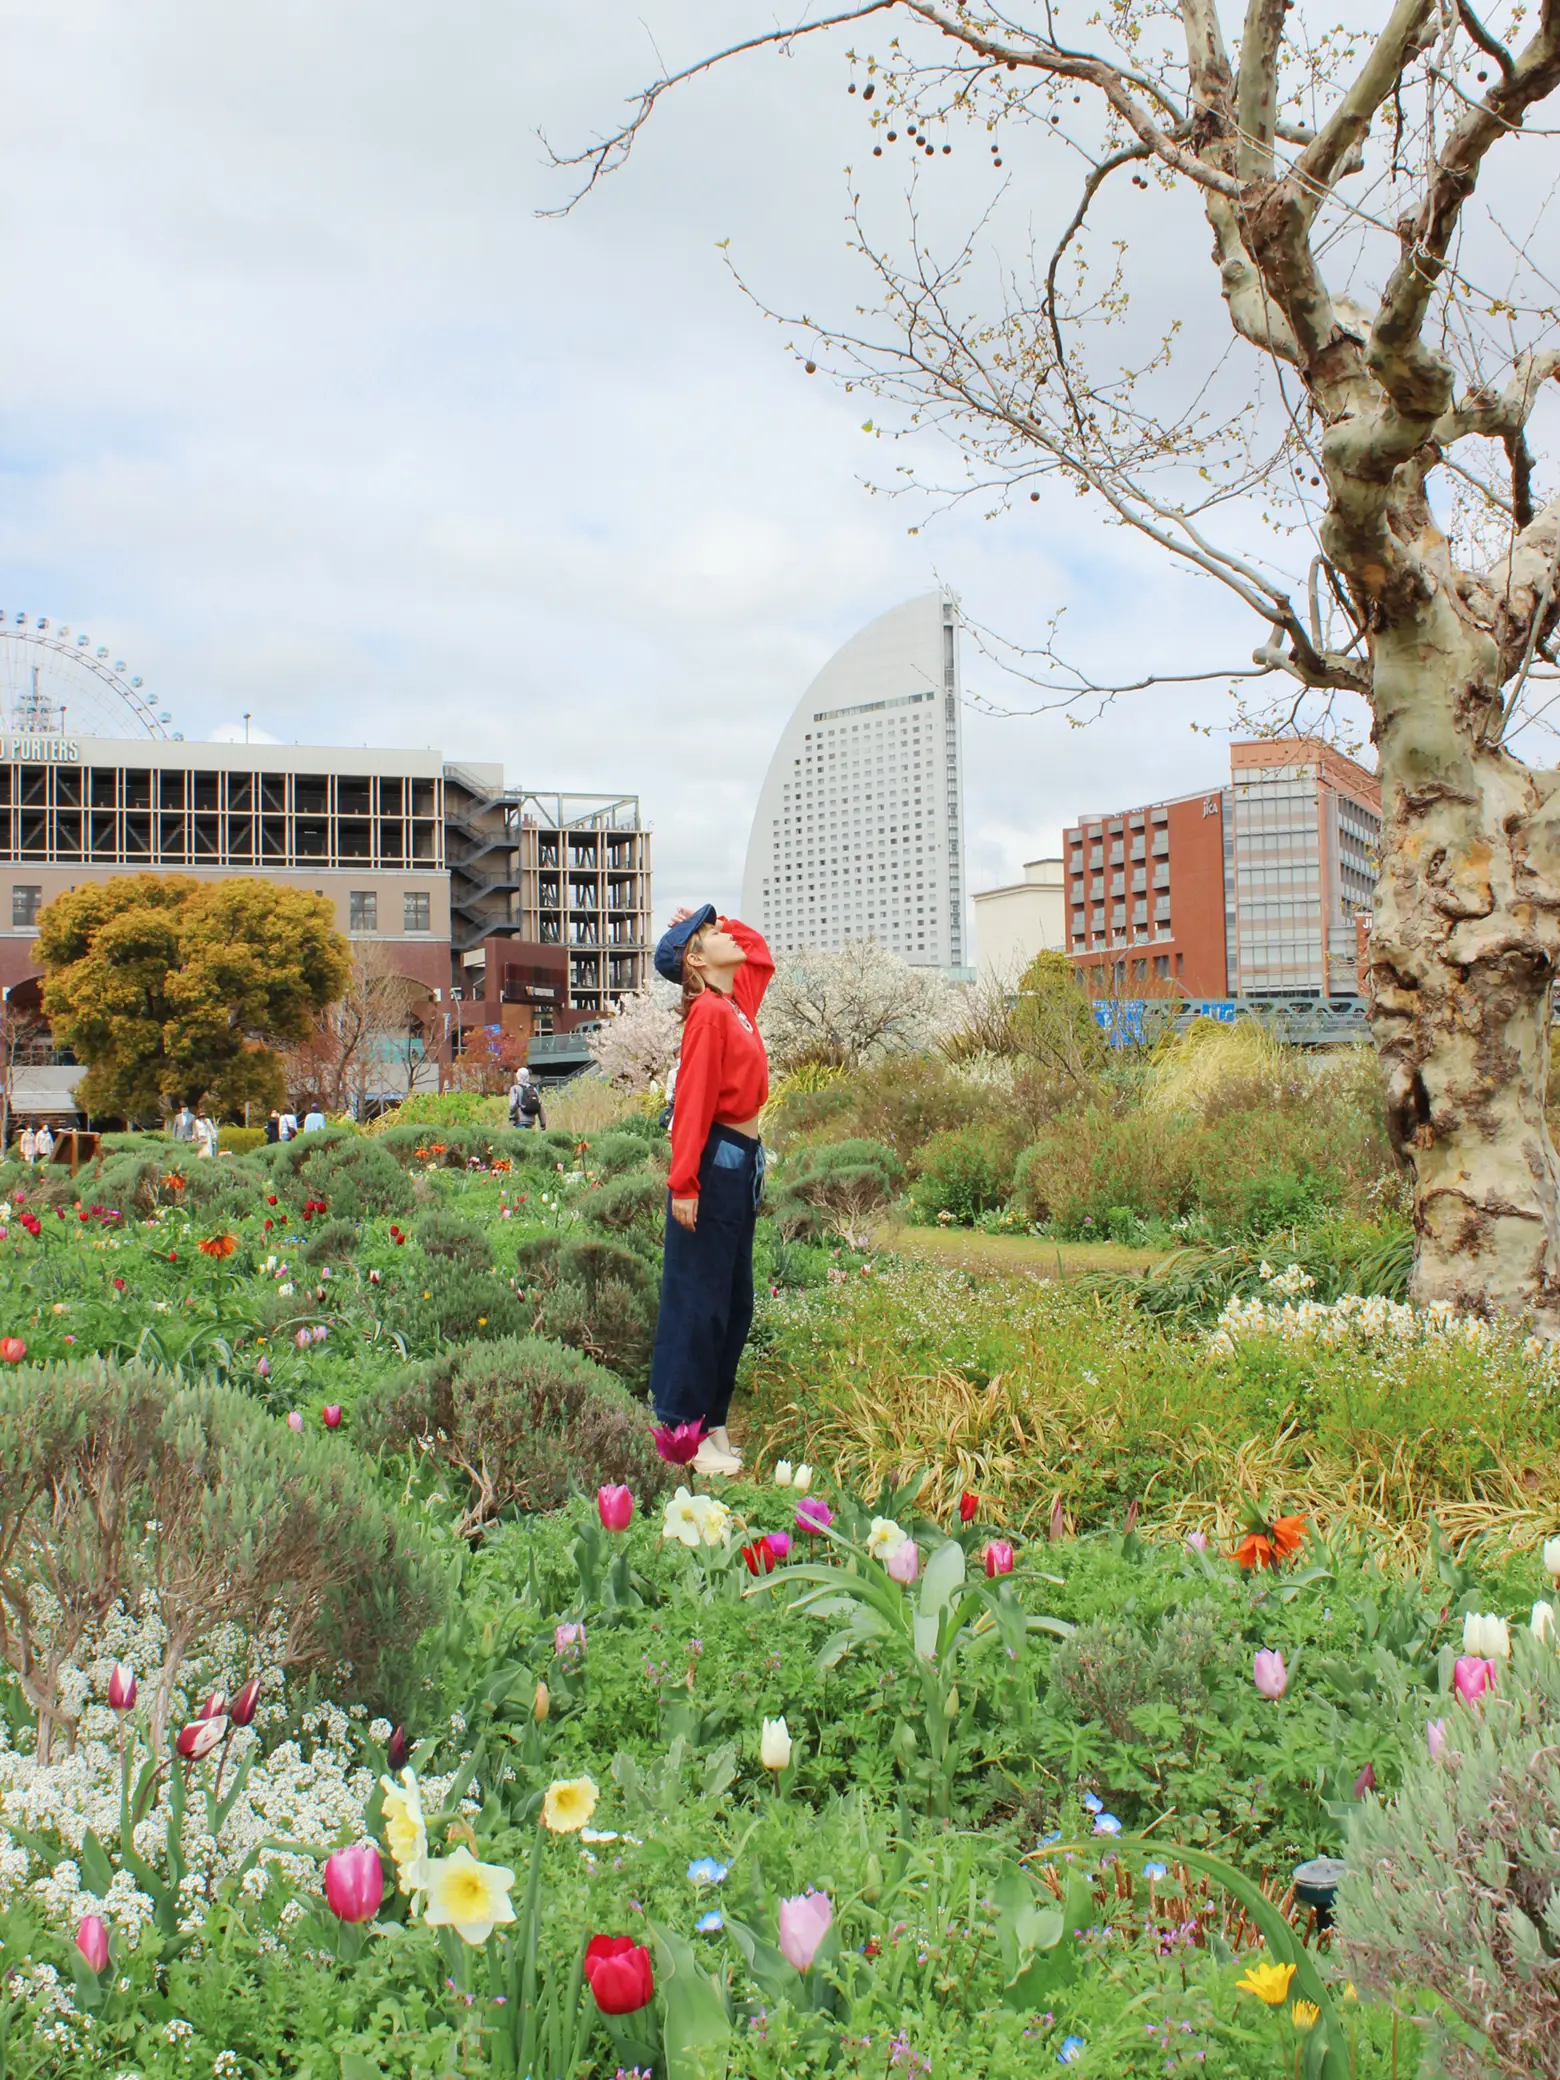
<point x="1305" y="2014"/>
<point x="713" y="1519"/>
<point x="406" y="1831"/>
<point x="682" y="1519"/>
<point x="470" y="1897"/>
<point x="569" y="1803"/>
<point x="1269" y="1982"/>
<point x="884" y="1538"/>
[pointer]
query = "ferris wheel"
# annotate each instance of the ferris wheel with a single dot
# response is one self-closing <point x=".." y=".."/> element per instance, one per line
<point x="55" y="680"/>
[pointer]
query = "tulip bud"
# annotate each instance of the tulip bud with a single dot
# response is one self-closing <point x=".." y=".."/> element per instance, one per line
<point x="331" y="1416"/>
<point x="398" y="1751"/>
<point x="784" y="1471"/>
<point x="355" y="1882"/>
<point x="953" y="1704"/>
<point x="872" y="1882"/>
<point x="1552" y="1558"/>
<point x="999" y="1557"/>
<point x="904" y="1562"/>
<point x="1435" y="1736"/>
<point x="214" y="1707"/>
<point x="1365" y="1781"/>
<point x="92" y="1942"/>
<point x="199" y="1738"/>
<point x="969" y="1506"/>
<point x="1472" y="1676"/>
<point x="614" y="1506"/>
<point x="303" y="1339"/>
<point x="1486" y="1636"/>
<point x="294" y="1419"/>
<point x="1542" y="1622"/>
<point x="242" y="1709"/>
<point x="1269" y="1674"/>
<point x="1198" y="1541"/>
<point x="774" y="1744"/>
<point x="801" y="1480"/>
<point x="542" y="1704"/>
<point x="263" y="1368"/>
<point x="121" y="1687"/>
<point x="569" y="1643"/>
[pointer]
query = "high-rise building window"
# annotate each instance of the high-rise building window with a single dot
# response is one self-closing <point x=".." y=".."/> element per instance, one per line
<point x="414" y="910"/>
<point x="26" y="902"/>
<point x="362" y="910"/>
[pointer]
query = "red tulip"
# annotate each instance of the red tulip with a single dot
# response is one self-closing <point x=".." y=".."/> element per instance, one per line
<point x="615" y="1506"/>
<point x="759" y="1557"/>
<point x="199" y="1738"/>
<point x="215" y="1706"/>
<point x="269" y="1222"/>
<point x="619" y="1973"/>
<point x="331" y="1416"/>
<point x="999" y="1557"/>
<point x="12" y="1349"/>
<point x="119" y="1285"/>
<point x="271" y="1199"/>
<point x="969" y="1506"/>
<point x="354" y="1882"/>
<point x="398" y="1751"/>
<point x="242" y="1709"/>
<point x="121" y="1687"/>
<point x="92" y="1942"/>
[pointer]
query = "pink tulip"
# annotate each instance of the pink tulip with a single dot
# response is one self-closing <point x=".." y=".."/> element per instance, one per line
<point x="200" y="1737"/>
<point x="121" y="1687"/>
<point x="331" y="1416"/>
<point x="1270" y="1675"/>
<point x="904" y="1562"/>
<point x="1198" y="1541"/>
<point x="999" y="1557"/>
<point x="294" y="1420"/>
<point x="92" y="1942"/>
<point x="263" y="1369"/>
<point x="1435" y="1735"/>
<point x="214" y="1707"/>
<point x="679" y="1444"/>
<point x="779" y="1543"/>
<point x="804" y="1922"/>
<point x="615" y="1506"/>
<point x="303" y="1339"/>
<point x="569" y="1642"/>
<point x="242" y="1709"/>
<point x="813" y="1514"/>
<point x="1471" y="1677"/>
<point x="354" y="1882"/>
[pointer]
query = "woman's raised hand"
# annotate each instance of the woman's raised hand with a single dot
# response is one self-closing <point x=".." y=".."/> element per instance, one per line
<point x="685" y="911"/>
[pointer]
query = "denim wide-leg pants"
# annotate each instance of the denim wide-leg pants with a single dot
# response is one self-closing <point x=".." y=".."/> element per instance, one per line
<point x="707" y="1286"/>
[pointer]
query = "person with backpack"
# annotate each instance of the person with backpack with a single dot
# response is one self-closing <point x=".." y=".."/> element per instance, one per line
<point x="525" y="1103"/>
<point x="717" y="1176"/>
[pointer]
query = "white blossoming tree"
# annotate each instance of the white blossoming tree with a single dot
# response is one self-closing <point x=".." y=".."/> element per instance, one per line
<point x="1353" y="206"/>
<point x="635" y="1049"/>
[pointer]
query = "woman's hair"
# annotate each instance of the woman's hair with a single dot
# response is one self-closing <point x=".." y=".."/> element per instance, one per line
<point x="692" y="984"/>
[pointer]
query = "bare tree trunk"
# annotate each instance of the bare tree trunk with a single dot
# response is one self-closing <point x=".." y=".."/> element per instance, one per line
<point x="1462" y="964"/>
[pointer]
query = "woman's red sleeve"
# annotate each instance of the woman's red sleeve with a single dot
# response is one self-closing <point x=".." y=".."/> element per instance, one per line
<point x="756" y="972"/>
<point x="693" y="1108"/>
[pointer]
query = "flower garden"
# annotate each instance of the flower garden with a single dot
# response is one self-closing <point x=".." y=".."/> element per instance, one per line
<point x="1066" y="1681"/>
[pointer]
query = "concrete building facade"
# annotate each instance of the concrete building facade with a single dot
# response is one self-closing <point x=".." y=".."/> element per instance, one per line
<point x="1253" y="890"/>
<point x="1014" y="923"/>
<point x="859" y="832"/>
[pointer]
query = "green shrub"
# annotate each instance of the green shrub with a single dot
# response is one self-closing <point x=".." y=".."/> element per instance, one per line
<point x="964" y="1171"/>
<point x="331" y="1242"/>
<point x="610" y="1155"/>
<point x="595" y="1296"/>
<point x="633" y="1205"/>
<point x="436" y="1301"/>
<point x="240" y="1141"/>
<point x="1084" y="1165"/>
<point x="1111" y="1667"/>
<point x="834" y="1188"/>
<point x="117" y="1484"/>
<point x="643" y="1126"/>
<point x="356" y="1177"/>
<point x="1453" y="1888"/>
<point x="445" y="1234"/>
<point x="519" y="1423"/>
<point x="434" y="1109"/>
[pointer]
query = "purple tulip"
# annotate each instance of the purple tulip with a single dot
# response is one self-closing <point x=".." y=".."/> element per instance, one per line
<point x="1270" y="1675"/>
<point x="813" y="1514"/>
<point x="1435" y="1735"/>
<point x="904" y="1562"/>
<point x="804" y="1922"/>
<point x="92" y="1942"/>
<point x="569" y="1643"/>
<point x="678" y="1444"/>
<point x="779" y="1543"/>
<point x="303" y="1339"/>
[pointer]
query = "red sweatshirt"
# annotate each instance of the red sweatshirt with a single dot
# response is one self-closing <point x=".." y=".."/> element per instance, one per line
<point x="724" y="1071"/>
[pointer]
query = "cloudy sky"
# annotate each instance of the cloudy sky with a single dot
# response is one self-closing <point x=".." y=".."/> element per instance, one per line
<point x="306" y="411"/>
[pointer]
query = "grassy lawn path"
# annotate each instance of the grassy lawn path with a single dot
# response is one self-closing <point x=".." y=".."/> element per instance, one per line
<point x="999" y="1255"/>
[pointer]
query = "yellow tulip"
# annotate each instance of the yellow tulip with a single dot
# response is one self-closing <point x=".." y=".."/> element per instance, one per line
<point x="569" y="1803"/>
<point x="1269" y="1982"/>
<point x="1305" y="2014"/>
<point x="543" y="1704"/>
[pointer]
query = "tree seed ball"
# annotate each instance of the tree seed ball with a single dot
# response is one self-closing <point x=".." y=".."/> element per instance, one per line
<point x="851" y="88"/>
<point x="893" y="136"/>
<point x="868" y="92"/>
<point x="1034" y="498"/>
<point x="877" y="151"/>
<point x="947" y="148"/>
<point x="811" y="367"/>
<point x="996" y="162"/>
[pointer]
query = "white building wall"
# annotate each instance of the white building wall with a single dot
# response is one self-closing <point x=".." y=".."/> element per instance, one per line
<point x="859" y="832"/>
<point x="1014" y="923"/>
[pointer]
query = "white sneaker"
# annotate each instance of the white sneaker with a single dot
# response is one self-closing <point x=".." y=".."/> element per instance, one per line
<point x="723" y="1443"/>
<point x="711" y="1459"/>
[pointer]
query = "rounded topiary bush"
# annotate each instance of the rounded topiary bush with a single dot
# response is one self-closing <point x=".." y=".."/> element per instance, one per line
<point x="965" y="1171"/>
<point x="446" y="1235"/>
<point x="436" y="1300"/>
<point x="834" y="1188"/>
<point x="594" y="1295"/>
<point x="519" y="1422"/>
<point x="610" y="1155"/>
<point x="634" y="1206"/>
<point x="357" y="1178"/>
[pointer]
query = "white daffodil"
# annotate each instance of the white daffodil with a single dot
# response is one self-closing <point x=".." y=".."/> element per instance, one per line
<point x="682" y="1519"/>
<point x="470" y="1897"/>
<point x="713" y="1519"/>
<point x="406" y="1830"/>
<point x="884" y="1538"/>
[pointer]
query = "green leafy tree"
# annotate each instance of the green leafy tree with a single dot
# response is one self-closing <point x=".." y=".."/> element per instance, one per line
<point x="173" y="990"/>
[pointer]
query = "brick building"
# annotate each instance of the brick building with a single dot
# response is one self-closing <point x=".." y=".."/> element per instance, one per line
<point x="1252" y="890"/>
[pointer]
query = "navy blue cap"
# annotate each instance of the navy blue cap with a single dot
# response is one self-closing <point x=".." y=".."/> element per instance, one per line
<point x="674" y="944"/>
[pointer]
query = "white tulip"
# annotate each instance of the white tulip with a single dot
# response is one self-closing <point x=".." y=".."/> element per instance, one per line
<point x="1542" y="1622"/>
<point x="1552" y="1558"/>
<point x="801" y="1480"/>
<point x="774" y="1744"/>
<point x="1487" y="1636"/>
<point x="783" y="1477"/>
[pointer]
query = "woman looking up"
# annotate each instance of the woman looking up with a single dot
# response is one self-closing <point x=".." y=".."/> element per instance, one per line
<point x="717" y="1175"/>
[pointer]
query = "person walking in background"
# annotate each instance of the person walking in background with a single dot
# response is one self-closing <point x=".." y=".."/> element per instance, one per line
<point x="273" y="1125"/>
<point x="183" y="1128"/>
<point x="45" y="1143"/>
<point x="717" y="1176"/>
<point x="287" y="1125"/>
<point x="29" y="1146"/>
<point x="314" y="1118"/>
<point x="525" y="1103"/>
<point x="205" y="1135"/>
